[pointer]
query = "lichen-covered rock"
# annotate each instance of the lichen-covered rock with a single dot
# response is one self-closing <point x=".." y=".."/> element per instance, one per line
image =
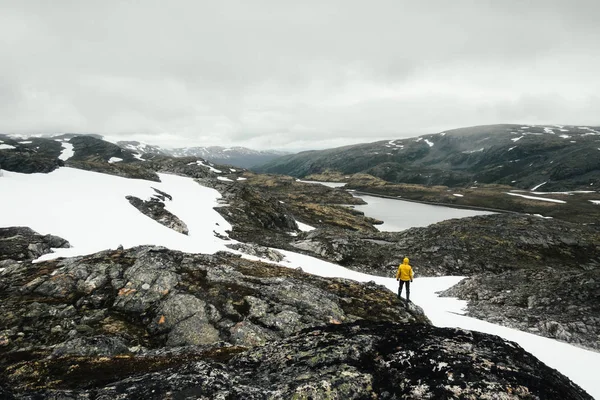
<point x="22" y="243"/>
<point x="361" y="360"/>
<point x="151" y="298"/>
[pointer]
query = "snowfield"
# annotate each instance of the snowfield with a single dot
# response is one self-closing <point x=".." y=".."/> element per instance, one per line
<point x="90" y="211"/>
<point x="67" y="152"/>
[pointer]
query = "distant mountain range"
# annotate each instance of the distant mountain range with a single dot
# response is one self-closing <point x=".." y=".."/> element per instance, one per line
<point x="237" y="156"/>
<point x="560" y="157"/>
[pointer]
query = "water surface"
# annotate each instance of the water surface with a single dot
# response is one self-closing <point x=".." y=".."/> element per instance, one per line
<point x="399" y="215"/>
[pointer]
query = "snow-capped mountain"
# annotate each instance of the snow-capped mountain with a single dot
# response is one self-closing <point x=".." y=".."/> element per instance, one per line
<point x="236" y="156"/>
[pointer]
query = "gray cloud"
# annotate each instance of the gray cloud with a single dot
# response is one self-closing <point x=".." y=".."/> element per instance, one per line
<point x="283" y="74"/>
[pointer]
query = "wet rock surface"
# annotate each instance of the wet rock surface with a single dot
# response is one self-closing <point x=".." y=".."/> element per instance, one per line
<point x="360" y="360"/>
<point x="22" y="243"/>
<point x="155" y="209"/>
<point x="554" y="302"/>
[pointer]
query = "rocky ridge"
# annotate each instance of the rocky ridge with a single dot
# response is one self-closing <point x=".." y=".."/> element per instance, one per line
<point x="149" y="322"/>
<point x="23" y="243"/>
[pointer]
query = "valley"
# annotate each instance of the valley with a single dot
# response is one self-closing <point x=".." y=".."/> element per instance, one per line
<point x="148" y="236"/>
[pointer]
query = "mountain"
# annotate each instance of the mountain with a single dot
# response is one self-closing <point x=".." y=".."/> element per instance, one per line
<point x="235" y="156"/>
<point x="560" y="157"/>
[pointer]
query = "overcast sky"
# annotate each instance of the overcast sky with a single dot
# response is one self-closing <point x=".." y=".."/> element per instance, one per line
<point x="294" y="74"/>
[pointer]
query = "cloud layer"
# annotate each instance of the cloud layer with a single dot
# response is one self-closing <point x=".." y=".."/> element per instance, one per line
<point x="294" y="75"/>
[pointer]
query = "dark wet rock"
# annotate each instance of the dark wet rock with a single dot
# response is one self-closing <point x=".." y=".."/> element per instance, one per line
<point x="22" y="243"/>
<point x="558" y="303"/>
<point x="351" y="361"/>
<point x="155" y="209"/>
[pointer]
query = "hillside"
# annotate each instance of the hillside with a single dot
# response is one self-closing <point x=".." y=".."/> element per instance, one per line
<point x="564" y="157"/>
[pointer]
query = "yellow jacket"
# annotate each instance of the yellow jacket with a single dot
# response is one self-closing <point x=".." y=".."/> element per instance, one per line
<point x="405" y="272"/>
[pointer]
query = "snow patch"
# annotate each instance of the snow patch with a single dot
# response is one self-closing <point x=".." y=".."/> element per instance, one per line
<point x="304" y="227"/>
<point x="429" y="143"/>
<point x="224" y="178"/>
<point x="536" y="198"/>
<point x="514" y="147"/>
<point x="597" y="202"/>
<point x="26" y="142"/>
<point x="241" y="178"/>
<point x="564" y="136"/>
<point x="537" y="186"/>
<point x="67" y="151"/>
<point x="114" y="160"/>
<point x="458" y="195"/>
<point x="6" y="147"/>
<point x="200" y="163"/>
<point x="517" y="139"/>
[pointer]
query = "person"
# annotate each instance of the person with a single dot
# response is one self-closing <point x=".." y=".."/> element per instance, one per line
<point x="405" y="277"/>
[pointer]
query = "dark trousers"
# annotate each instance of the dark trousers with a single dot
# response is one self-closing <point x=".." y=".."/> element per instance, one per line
<point x="407" y="289"/>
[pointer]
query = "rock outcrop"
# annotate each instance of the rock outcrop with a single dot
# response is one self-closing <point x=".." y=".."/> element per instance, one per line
<point x="561" y="303"/>
<point x="361" y="360"/>
<point x="20" y="243"/>
<point x="155" y="209"/>
<point x="155" y="297"/>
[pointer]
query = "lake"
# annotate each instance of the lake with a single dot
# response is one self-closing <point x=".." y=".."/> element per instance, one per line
<point x="399" y="215"/>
